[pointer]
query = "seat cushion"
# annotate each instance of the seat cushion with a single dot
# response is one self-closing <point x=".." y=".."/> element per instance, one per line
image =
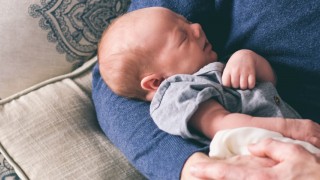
<point x="50" y="131"/>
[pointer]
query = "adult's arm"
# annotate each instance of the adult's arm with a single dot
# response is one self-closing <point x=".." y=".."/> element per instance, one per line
<point x="127" y="123"/>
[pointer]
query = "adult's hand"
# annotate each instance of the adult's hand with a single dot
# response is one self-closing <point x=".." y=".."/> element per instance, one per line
<point x="201" y="166"/>
<point x="294" y="161"/>
<point x="290" y="161"/>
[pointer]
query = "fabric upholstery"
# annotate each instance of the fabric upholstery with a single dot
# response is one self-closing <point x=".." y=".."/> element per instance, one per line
<point x="43" y="39"/>
<point x="50" y="131"/>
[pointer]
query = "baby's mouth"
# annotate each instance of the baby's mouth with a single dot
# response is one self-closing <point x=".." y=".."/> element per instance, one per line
<point x="206" y="45"/>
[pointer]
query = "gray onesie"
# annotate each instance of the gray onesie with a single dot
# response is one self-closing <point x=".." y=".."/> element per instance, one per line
<point x="179" y="96"/>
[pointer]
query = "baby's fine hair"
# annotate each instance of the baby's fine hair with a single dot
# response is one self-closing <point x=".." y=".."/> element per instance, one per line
<point x="123" y="71"/>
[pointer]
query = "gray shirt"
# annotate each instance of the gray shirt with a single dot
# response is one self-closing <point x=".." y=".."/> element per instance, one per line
<point x="179" y="96"/>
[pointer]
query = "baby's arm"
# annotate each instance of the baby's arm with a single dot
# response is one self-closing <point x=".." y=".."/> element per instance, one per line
<point x="244" y="68"/>
<point x="212" y="117"/>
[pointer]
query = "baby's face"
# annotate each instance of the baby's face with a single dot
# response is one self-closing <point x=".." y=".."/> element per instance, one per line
<point x="179" y="47"/>
<point x="175" y="45"/>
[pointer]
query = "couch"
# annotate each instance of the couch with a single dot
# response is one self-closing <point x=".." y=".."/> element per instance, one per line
<point x="48" y="126"/>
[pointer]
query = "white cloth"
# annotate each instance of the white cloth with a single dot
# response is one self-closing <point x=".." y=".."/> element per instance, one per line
<point x="231" y="142"/>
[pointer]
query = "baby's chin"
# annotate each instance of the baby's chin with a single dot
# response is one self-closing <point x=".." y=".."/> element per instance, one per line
<point x="211" y="60"/>
<point x="213" y="56"/>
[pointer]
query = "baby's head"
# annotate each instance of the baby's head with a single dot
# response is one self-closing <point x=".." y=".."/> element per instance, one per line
<point x="142" y="48"/>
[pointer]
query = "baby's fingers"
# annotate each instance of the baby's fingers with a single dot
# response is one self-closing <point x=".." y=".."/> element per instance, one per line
<point x="235" y="81"/>
<point x="247" y="81"/>
<point x="226" y="79"/>
<point x="251" y="81"/>
<point x="244" y="81"/>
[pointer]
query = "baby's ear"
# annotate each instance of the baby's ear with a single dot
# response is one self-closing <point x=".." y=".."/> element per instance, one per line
<point x="151" y="83"/>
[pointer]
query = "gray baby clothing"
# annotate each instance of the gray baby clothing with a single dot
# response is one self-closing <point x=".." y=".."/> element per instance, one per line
<point x="179" y="96"/>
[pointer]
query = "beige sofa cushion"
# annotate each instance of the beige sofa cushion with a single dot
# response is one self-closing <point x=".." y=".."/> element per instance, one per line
<point x="43" y="39"/>
<point x="50" y="131"/>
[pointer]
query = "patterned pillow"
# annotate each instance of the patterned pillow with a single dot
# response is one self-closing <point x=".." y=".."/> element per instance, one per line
<point x="6" y="170"/>
<point x="41" y="39"/>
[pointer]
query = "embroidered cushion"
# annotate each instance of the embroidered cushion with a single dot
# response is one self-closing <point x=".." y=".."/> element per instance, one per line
<point x="42" y="39"/>
<point x="6" y="170"/>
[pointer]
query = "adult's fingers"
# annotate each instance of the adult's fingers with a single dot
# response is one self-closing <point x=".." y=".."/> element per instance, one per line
<point x="220" y="170"/>
<point x="314" y="140"/>
<point x="238" y="167"/>
<point x="276" y="150"/>
<point x="209" y="170"/>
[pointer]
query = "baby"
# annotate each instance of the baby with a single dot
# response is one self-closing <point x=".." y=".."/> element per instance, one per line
<point x="156" y="55"/>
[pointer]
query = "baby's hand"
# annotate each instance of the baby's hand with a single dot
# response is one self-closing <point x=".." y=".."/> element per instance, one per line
<point x="305" y="130"/>
<point x="240" y="71"/>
